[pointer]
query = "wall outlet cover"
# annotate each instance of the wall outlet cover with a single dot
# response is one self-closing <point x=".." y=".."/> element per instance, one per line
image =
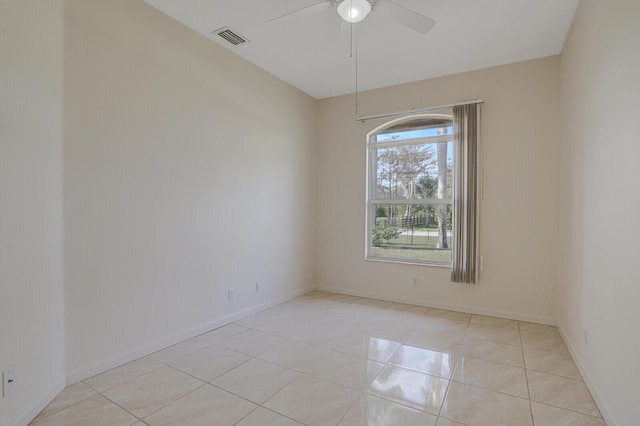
<point x="8" y="381"/>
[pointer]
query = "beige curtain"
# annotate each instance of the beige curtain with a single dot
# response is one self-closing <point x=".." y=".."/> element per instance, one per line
<point x="465" y="193"/>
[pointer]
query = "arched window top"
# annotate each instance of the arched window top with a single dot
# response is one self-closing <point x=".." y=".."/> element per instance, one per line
<point x="413" y="127"/>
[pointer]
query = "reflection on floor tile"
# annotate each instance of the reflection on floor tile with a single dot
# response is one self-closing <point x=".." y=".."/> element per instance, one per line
<point x="328" y="359"/>
<point x="370" y="410"/>
<point x="420" y="391"/>
<point x="444" y="340"/>
<point x="436" y="363"/>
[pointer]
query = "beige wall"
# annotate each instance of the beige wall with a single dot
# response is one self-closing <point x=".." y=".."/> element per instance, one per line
<point x="599" y="289"/>
<point x="188" y="171"/>
<point x="31" y="287"/>
<point x="519" y="222"/>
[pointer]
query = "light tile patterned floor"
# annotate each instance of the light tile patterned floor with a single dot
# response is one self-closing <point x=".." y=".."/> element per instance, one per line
<point x="329" y="359"/>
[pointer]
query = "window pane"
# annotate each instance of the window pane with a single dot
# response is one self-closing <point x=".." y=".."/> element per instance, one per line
<point x="412" y="232"/>
<point x="418" y="128"/>
<point x="413" y="171"/>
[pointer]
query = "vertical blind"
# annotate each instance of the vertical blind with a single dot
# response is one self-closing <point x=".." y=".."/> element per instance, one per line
<point x="464" y="268"/>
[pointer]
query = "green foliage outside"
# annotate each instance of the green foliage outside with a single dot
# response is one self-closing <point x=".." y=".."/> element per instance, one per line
<point x="381" y="234"/>
<point x="425" y="216"/>
<point x="429" y="255"/>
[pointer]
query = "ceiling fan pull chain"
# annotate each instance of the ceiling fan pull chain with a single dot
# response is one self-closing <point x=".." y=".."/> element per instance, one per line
<point x="356" y="43"/>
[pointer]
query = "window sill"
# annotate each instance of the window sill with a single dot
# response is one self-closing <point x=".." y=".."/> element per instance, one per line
<point x="407" y="262"/>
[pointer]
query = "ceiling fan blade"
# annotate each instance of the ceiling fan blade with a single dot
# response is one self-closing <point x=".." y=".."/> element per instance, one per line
<point x="407" y="17"/>
<point x="309" y="10"/>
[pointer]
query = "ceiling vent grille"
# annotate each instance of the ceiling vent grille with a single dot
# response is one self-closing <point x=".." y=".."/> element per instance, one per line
<point x="231" y="36"/>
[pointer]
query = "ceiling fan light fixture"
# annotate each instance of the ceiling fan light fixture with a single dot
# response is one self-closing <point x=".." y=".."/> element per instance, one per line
<point x="354" y="11"/>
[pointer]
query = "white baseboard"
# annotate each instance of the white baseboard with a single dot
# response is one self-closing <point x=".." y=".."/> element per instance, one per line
<point x="602" y="406"/>
<point x="32" y="412"/>
<point x="440" y="305"/>
<point x="101" y="366"/>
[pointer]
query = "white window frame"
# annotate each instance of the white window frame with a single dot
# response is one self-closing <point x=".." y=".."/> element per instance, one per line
<point x="371" y="184"/>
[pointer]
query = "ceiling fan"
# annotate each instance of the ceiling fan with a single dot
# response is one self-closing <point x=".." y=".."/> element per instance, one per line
<point x="354" y="11"/>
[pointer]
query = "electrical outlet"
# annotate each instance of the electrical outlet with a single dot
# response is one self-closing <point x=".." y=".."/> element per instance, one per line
<point x="257" y="288"/>
<point x="415" y="282"/>
<point x="8" y="381"/>
<point x="231" y="294"/>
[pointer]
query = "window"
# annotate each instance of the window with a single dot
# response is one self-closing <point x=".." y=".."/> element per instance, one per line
<point x="410" y="190"/>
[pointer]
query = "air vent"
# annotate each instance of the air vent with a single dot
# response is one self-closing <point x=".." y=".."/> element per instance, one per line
<point x="231" y="36"/>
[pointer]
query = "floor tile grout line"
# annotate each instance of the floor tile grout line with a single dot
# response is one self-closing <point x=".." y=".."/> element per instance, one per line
<point x="455" y="421"/>
<point x="490" y="390"/>
<point x="361" y="393"/>
<point x="526" y="375"/>
<point x="127" y="380"/>
<point x="555" y="374"/>
<point x="64" y="408"/>
<point x="280" y="414"/>
<point x="444" y="399"/>
<point x="402" y="404"/>
<point x="567" y="409"/>
<point x="184" y="341"/>
<point x="166" y="405"/>
<point x="204" y="383"/>
<point x="350" y="407"/>
<point x="270" y="396"/>
<point x="248" y="414"/>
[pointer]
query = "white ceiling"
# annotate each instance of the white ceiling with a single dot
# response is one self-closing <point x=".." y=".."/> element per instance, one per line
<point x="309" y="52"/>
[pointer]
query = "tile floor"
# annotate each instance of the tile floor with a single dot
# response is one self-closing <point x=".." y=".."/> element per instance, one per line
<point x="328" y="359"/>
